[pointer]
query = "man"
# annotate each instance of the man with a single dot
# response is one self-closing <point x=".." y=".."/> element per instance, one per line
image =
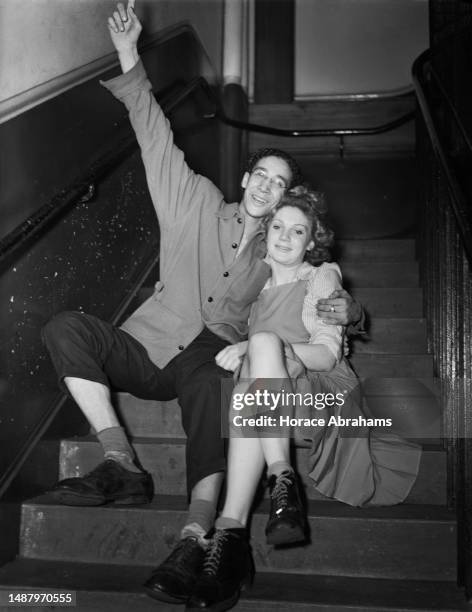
<point x="211" y="269"/>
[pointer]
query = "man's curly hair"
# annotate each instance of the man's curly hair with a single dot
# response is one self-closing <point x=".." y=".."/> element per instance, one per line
<point x="313" y="205"/>
<point x="270" y="152"/>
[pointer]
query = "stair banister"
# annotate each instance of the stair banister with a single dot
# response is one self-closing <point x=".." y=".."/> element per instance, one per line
<point x="445" y="157"/>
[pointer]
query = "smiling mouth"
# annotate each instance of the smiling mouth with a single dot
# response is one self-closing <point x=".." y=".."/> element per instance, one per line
<point x="259" y="200"/>
<point x="285" y="249"/>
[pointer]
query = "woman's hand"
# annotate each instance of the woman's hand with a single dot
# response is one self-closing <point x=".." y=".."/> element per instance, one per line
<point x="230" y="357"/>
<point x="125" y="28"/>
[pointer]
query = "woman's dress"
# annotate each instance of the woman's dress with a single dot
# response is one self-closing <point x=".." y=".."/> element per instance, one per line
<point x="358" y="465"/>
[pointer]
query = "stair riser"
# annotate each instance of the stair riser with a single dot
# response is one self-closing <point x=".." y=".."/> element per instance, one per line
<point x="392" y="366"/>
<point x="357" y="274"/>
<point x="390" y="302"/>
<point x="166" y="463"/>
<point x="414" y="416"/>
<point x="374" y="251"/>
<point x="413" y="549"/>
<point x="390" y="336"/>
<point x="121" y="590"/>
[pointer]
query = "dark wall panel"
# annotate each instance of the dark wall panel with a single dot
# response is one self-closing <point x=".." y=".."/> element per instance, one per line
<point x="274" y="56"/>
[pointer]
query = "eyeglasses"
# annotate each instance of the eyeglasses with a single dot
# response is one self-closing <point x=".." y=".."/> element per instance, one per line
<point x="275" y="182"/>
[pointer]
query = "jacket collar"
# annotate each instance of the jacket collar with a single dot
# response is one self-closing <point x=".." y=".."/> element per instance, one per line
<point x="227" y="211"/>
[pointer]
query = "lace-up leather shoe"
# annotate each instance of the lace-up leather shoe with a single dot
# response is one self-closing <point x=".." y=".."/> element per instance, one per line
<point x="227" y="568"/>
<point x="287" y="521"/>
<point x="109" y="482"/>
<point x="174" y="579"/>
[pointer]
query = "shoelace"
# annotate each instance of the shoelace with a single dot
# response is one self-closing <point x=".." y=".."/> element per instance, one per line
<point x="280" y="491"/>
<point x="213" y="553"/>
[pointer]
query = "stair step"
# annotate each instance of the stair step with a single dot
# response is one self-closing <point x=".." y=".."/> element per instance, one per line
<point x="384" y="366"/>
<point x="413" y="407"/>
<point x="380" y="274"/>
<point x="390" y="302"/>
<point x="104" y="587"/>
<point x="392" y="250"/>
<point x="402" y="542"/>
<point x="406" y="336"/>
<point x="164" y="458"/>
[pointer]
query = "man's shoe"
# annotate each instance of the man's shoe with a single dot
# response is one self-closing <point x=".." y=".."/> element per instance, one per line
<point x="109" y="482"/>
<point x="287" y="521"/>
<point x="227" y="568"/>
<point x="174" y="579"/>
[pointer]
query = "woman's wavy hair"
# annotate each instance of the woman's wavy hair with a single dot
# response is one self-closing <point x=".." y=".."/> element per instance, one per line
<point x="313" y="205"/>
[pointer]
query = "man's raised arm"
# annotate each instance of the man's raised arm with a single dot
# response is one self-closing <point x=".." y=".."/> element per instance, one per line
<point x="173" y="186"/>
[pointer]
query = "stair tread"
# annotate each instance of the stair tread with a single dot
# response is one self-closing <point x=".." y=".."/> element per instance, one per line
<point x="400" y="542"/>
<point x="388" y="249"/>
<point x="269" y="588"/>
<point x="429" y="446"/>
<point x="164" y="457"/>
<point x="316" y="509"/>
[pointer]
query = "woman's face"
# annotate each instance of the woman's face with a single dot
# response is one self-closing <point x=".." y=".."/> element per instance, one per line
<point x="289" y="236"/>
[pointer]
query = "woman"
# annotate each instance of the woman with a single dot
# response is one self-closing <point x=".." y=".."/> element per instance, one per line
<point x="290" y="350"/>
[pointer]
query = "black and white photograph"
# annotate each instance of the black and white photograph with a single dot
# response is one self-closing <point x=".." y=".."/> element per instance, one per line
<point x="236" y="305"/>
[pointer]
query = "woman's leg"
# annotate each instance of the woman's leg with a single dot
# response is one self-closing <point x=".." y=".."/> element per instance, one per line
<point x="246" y="456"/>
<point x="287" y="523"/>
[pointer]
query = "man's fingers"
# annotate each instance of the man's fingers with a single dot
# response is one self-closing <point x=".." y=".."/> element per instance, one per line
<point x="339" y="305"/>
<point x="331" y="320"/>
<point x="112" y="25"/>
<point x="119" y="23"/>
<point x="122" y="12"/>
<point x="131" y="4"/>
<point x="331" y="308"/>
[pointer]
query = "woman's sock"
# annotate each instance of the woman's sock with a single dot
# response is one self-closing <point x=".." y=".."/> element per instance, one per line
<point x="225" y="522"/>
<point x="278" y="467"/>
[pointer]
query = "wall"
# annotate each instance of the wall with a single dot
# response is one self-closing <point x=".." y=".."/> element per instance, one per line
<point x="48" y="47"/>
<point x="41" y="40"/>
<point x="357" y="46"/>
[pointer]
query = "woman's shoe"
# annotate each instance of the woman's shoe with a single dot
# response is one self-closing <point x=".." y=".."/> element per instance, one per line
<point x="287" y="520"/>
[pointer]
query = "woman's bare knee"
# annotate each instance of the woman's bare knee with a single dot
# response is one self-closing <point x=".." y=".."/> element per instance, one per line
<point x="263" y="342"/>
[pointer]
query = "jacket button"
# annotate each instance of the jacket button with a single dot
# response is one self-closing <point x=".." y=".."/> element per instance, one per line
<point x="225" y="274"/>
<point x="181" y="347"/>
<point x="210" y="299"/>
<point x="235" y="245"/>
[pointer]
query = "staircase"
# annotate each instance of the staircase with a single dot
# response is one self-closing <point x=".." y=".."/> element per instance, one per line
<point x="379" y="559"/>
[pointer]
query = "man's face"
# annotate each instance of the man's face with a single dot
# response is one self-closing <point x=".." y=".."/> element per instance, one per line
<point x="265" y="186"/>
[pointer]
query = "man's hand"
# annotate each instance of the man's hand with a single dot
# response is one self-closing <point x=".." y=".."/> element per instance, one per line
<point x="339" y="309"/>
<point x="125" y="28"/>
<point x="230" y="357"/>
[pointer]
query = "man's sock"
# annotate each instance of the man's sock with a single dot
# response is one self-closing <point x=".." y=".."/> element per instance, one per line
<point x="225" y="522"/>
<point x="200" y="519"/>
<point x="276" y="468"/>
<point x="116" y="446"/>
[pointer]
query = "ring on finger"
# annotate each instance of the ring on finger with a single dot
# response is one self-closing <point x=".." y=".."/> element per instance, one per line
<point x="332" y="309"/>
